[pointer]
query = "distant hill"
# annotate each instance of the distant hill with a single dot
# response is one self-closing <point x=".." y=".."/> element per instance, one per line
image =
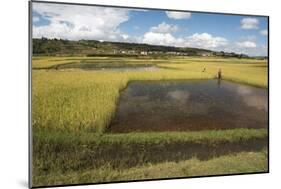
<point x="46" y="46"/>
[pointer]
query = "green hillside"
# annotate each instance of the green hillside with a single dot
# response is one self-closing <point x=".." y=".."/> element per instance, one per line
<point x="60" y="47"/>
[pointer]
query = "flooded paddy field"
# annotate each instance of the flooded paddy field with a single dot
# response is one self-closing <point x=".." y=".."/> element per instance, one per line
<point x="190" y="106"/>
<point x="104" y="66"/>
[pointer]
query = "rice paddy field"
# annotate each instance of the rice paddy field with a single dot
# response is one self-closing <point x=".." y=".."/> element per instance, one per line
<point x="74" y="100"/>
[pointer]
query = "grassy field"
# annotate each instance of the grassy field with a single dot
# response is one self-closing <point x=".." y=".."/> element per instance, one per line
<point x="71" y="109"/>
<point x="112" y="156"/>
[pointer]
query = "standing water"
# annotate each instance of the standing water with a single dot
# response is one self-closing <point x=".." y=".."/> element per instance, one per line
<point x="190" y="105"/>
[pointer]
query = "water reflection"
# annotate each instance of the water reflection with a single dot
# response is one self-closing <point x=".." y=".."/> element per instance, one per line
<point x="180" y="96"/>
<point x="107" y="66"/>
<point x="190" y="105"/>
<point x="219" y="82"/>
<point x="251" y="96"/>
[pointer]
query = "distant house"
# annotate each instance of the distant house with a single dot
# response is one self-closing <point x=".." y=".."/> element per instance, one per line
<point x="206" y="54"/>
<point x="144" y="53"/>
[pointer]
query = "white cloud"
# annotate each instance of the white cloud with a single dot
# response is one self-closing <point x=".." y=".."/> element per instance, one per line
<point x="250" y="48"/>
<point x="165" y="39"/>
<point x="164" y="28"/>
<point x="246" y="44"/>
<point x="80" y="22"/>
<point x="249" y="23"/>
<point x="162" y="35"/>
<point x="178" y="15"/>
<point x="205" y="40"/>
<point x="264" y="32"/>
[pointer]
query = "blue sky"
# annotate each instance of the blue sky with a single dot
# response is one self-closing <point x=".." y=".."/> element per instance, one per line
<point x="233" y="33"/>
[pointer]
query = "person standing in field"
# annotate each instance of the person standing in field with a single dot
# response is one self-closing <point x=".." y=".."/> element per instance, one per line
<point x="219" y="74"/>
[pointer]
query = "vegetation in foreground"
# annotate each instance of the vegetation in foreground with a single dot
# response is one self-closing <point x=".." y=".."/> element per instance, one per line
<point x="63" y="153"/>
<point x="244" y="162"/>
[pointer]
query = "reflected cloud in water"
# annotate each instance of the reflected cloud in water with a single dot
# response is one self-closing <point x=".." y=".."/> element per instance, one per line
<point x="180" y="96"/>
<point x="252" y="96"/>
